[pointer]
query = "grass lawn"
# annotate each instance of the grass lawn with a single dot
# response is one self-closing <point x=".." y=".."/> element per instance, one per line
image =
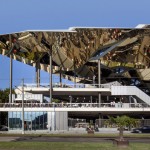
<point x="68" y="146"/>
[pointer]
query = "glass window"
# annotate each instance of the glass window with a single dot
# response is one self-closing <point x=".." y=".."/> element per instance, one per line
<point x="14" y="120"/>
<point x="32" y="120"/>
<point x="18" y="120"/>
<point x="25" y="120"/>
<point x="45" y="120"/>
<point x="37" y="120"/>
<point x="10" y="116"/>
<point x="41" y="120"/>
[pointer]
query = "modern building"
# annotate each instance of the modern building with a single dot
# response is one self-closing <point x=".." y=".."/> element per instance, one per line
<point x="109" y="69"/>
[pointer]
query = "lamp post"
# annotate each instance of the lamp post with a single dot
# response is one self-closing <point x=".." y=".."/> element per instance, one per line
<point x="22" y="91"/>
<point x="11" y="72"/>
<point x="22" y="106"/>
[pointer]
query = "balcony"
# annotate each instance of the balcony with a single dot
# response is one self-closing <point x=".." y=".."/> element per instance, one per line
<point x="75" y="105"/>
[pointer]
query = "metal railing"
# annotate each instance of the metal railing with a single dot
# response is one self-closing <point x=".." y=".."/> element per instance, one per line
<point x="75" y="105"/>
<point x="63" y="85"/>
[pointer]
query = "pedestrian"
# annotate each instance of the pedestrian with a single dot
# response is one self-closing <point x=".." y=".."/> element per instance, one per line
<point x="30" y="126"/>
<point x="113" y="103"/>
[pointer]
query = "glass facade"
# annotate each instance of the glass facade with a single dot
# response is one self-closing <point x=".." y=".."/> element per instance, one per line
<point x="32" y="120"/>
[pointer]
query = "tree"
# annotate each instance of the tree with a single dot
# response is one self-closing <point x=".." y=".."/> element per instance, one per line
<point x="56" y="100"/>
<point x="122" y="122"/>
<point x="4" y="98"/>
<point x="4" y="95"/>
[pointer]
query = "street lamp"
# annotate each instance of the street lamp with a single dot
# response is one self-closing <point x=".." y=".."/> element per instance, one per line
<point x="22" y="91"/>
<point x="22" y="106"/>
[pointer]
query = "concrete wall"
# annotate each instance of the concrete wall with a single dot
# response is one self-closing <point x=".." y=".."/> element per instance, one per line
<point x="57" y="120"/>
<point x="61" y="120"/>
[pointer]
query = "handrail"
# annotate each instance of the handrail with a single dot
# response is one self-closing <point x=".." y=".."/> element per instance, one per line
<point x="73" y="85"/>
<point x="74" y="105"/>
<point x="63" y="85"/>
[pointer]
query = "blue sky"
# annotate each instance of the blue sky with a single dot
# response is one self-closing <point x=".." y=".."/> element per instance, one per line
<point x="17" y="15"/>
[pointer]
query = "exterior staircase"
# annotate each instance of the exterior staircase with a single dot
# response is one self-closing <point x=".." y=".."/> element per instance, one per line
<point x="130" y="90"/>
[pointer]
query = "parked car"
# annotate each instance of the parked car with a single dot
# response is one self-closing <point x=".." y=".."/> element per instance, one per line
<point x="3" y="128"/>
<point x="144" y="129"/>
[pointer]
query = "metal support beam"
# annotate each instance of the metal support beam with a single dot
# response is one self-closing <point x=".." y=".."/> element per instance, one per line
<point x="11" y="72"/>
<point x="107" y="99"/>
<point x="22" y="106"/>
<point x="50" y="74"/>
<point x="70" y="99"/>
<point x="99" y="81"/>
<point x="99" y="73"/>
<point x="91" y="99"/>
<point x="99" y="99"/>
<point x="130" y="99"/>
<point x="74" y="72"/>
<point x="75" y="80"/>
<point x="37" y="69"/>
<point x="100" y="120"/>
<point x="60" y="77"/>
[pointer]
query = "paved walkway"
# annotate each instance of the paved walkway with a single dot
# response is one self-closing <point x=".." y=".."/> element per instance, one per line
<point x="8" y="138"/>
<point x="67" y="139"/>
<point x="70" y="131"/>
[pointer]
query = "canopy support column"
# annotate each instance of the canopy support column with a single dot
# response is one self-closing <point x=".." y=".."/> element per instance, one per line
<point x="50" y="74"/>
<point x="99" y="81"/>
<point x="60" y="77"/>
<point x="38" y="73"/>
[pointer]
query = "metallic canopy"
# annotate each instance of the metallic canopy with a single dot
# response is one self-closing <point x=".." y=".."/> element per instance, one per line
<point x="124" y="52"/>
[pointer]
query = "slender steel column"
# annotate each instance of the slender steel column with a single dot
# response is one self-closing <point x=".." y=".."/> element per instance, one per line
<point x="91" y="99"/>
<point x="99" y="73"/>
<point x="74" y="73"/>
<point x="60" y="78"/>
<point x="99" y="80"/>
<point x="100" y="120"/>
<point x="36" y="74"/>
<point x="22" y="106"/>
<point x="99" y="99"/>
<point x="39" y="74"/>
<point x="129" y="99"/>
<point x="54" y="119"/>
<point x="73" y="52"/>
<point x="107" y="99"/>
<point x="37" y="69"/>
<point x="50" y="74"/>
<point x="11" y="72"/>
<point x="0" y="117"/>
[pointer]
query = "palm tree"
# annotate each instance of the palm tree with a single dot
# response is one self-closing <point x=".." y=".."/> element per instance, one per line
<point x="122" y="122"/>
